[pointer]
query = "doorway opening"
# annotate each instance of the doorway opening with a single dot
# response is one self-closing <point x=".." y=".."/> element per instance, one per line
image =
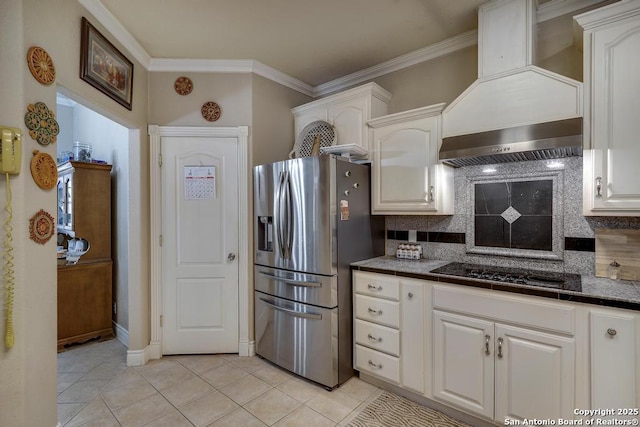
<point x="113" y="144"/>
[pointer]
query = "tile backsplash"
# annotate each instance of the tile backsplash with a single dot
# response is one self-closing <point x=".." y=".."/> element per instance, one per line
<point x="522" y="215"/>
<point x="514" y="214"/>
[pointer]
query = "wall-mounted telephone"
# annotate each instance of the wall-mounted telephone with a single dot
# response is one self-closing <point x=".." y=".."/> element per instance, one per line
<point x="10" y="150"/>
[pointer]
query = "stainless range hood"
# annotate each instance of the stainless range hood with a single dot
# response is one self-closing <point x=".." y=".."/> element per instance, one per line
<point x="541" y="141"/>
<point x="514" y="111"/>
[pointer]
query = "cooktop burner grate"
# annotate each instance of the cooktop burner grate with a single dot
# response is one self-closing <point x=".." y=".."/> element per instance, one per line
<point x="519" y="276"/>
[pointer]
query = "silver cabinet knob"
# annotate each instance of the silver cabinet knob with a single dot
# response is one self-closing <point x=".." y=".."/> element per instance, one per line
<point x="231" y="256"/>
<point x="410" y="295"/>
<point x="612" y="332"/>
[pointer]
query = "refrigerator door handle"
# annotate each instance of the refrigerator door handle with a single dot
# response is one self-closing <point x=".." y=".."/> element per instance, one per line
<point x="277" y="213"/>
<point x="315" y="316"/>
<point x="292" y="281"/>
<point x="288" y="220"/>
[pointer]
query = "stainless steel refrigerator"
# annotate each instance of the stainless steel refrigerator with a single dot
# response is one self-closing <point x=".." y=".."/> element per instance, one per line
<point x="312" y="219"/>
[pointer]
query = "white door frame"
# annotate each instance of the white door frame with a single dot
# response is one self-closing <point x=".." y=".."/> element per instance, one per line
<point x="245" y="347"/>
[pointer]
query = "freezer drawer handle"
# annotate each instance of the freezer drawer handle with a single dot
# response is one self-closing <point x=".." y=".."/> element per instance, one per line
<point x="292" y="281"/>
<point x="315" y="316"/>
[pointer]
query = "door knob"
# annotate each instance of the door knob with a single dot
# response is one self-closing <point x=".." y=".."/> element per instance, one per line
<point x="231" y="256"/>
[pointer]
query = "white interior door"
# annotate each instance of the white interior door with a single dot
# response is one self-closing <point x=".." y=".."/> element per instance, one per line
<point x="199" y="245"/>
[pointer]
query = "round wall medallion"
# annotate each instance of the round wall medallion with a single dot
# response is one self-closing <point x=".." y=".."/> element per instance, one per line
<point x="41" y="123"/>
<point x="41" y="65"/>
<point x="41" y="227"/>
<point x="211" y="111"/>
<point x="44" y="170"/>
<point x="183" y="85"/>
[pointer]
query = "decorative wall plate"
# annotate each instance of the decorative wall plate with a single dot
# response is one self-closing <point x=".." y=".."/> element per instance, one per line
<point x="41" y="123"/>
<point x="183" y="85"/>
<point x="211" y="111"/>
<point x="44" y="170"/>
<point x="41" y="227"/>
<point x="41" y="65"/>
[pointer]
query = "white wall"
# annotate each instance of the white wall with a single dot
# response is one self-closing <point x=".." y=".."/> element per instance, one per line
<point x="28" y="370"/>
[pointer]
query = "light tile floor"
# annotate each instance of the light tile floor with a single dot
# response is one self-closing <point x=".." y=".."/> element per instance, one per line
<point x="96" y="388"/>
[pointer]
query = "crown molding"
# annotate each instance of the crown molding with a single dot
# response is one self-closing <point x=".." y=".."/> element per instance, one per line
<point x="99" y="12"/>
<point x="557" y="8"/>
<point x="546" y="11"/>
<point x="230" y="66"/>
<point x="445" y="47"/>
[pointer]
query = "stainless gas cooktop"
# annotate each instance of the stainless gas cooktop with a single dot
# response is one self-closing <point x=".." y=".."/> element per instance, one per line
<point x="518" y="276"/>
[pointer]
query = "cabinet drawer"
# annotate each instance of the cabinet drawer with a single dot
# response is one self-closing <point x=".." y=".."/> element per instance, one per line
<point x="378" y="310"/>
<point x="376" y="363"/>
<point x="541" y="313"/>
<point x="377" y="285"/>
<point x="377" y="337"/>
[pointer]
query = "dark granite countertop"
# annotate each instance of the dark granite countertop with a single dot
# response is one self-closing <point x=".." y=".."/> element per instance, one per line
<point x="595" y="290"/>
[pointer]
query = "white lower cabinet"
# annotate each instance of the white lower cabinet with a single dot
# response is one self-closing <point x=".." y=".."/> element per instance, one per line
<point x="412" y="333"/>
<point x="498" y="356"/>
<point x="534" y="376"/>
<point x="614" y="366"/>
<point x="463" y="362"/>
<point x="497" y="370"/>
<point x="389" y="329"/>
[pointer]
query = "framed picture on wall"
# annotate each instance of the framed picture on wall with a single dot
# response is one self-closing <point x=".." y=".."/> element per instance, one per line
<point x="105" y="67"/>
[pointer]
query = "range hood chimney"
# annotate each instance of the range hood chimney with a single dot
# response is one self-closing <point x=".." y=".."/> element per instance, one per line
<point x="514" y="111"/>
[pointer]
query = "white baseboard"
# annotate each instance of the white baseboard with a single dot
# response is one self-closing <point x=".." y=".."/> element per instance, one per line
<point x="246" y="348"/>
<point x="122" y="334"/>
<point x="152" y="351"/>
<point x="141" y="357"/>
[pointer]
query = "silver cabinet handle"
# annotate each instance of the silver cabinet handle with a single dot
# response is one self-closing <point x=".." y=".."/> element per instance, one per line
<point x="375" y="365"/>
<point x="612" y="332"/>
<point x="231" y="256"/>
<point x="375" y="339"/>
<point x="431" y="196"/>
<point x="500" y="341"/>
<point x="487" y="338"/>
<point x="374" y="288"/>
<point x="374" y="311"/>
<point x="599" y="186"/>
<point x="410" y="295"/>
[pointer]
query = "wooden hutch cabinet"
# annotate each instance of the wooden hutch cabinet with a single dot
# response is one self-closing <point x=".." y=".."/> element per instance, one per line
<point x="85" y="288"/>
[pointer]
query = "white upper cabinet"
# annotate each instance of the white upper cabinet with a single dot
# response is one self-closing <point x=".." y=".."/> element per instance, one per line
<point x="406" y="175"/>
<point x="505" y="36"/>
<point x="348" y="112"/>
<point x="612" y="102"/>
